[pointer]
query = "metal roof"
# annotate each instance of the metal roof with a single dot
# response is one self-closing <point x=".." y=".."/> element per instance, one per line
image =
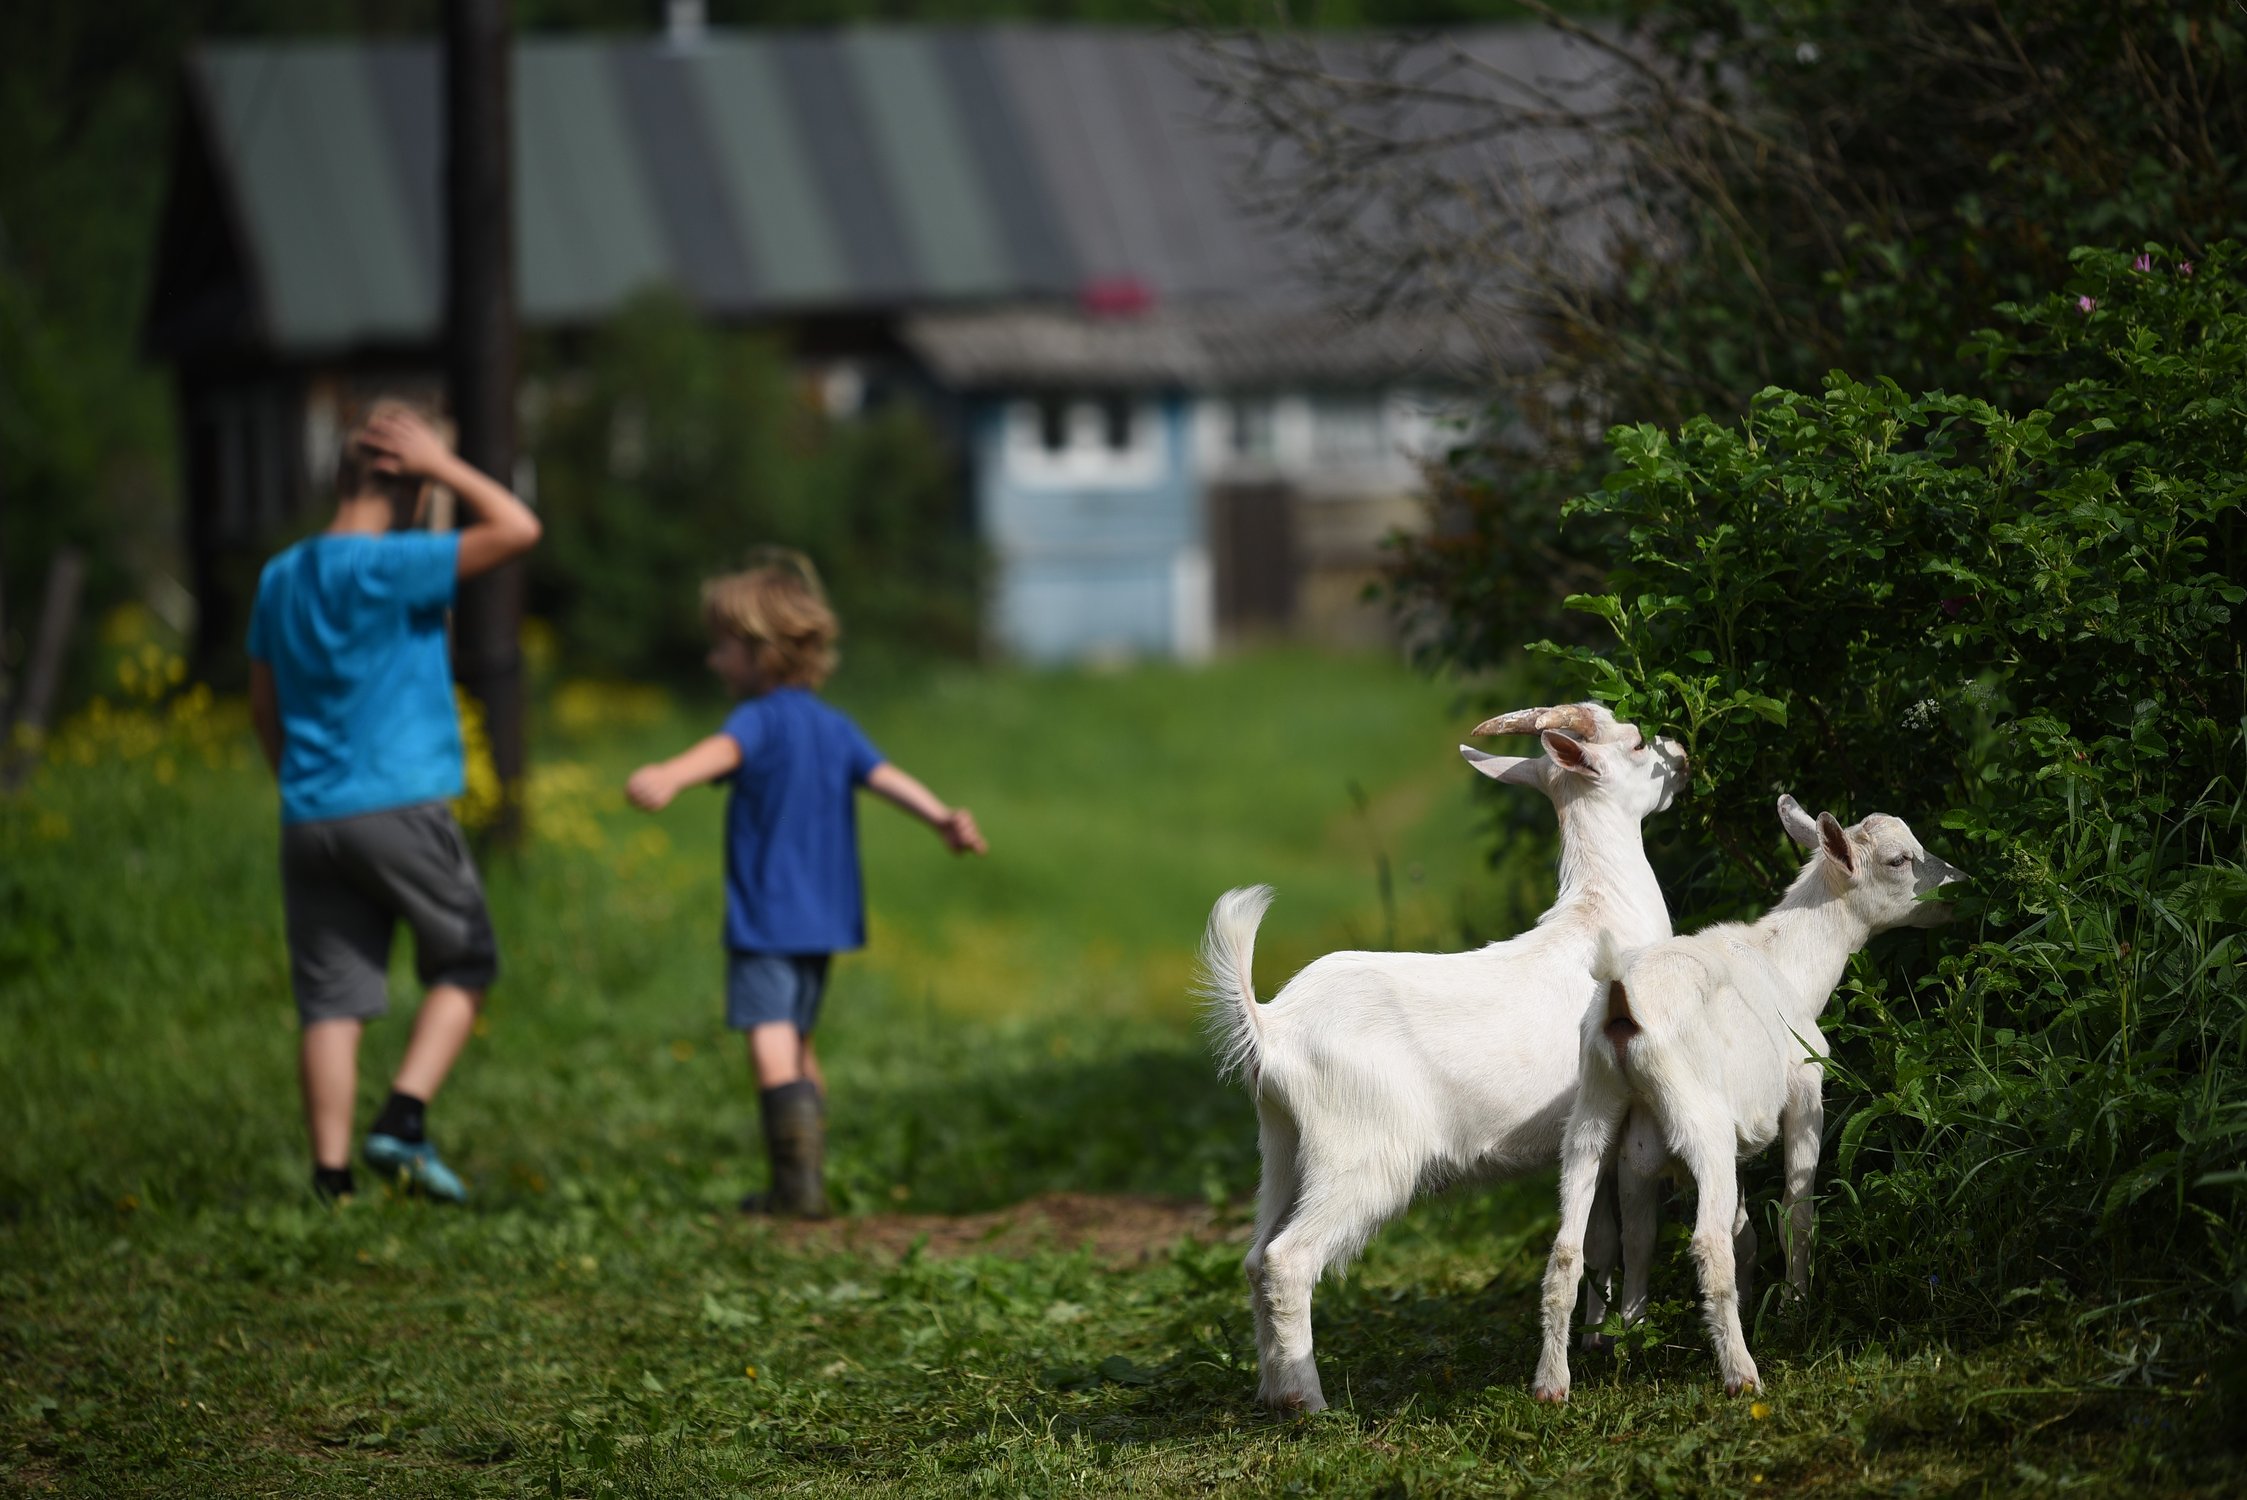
<point x="1229" y="347"/>
<point x="762" y="173"/>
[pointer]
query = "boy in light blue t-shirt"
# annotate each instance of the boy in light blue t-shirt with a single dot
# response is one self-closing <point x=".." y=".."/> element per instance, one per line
<point x="793" y="897"/>
<point x="351" y="693"/>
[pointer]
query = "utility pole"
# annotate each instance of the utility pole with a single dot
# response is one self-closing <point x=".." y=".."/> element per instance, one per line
<point x="480" y="360"/>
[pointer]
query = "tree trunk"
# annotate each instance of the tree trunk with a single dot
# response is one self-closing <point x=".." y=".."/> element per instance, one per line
<point x="480" y="327"/>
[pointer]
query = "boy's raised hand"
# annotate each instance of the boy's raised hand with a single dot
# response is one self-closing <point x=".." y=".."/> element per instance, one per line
<point x="403" y="443"/>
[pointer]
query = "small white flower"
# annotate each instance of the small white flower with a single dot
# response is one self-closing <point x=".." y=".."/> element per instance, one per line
<point x="1806" y="53"/>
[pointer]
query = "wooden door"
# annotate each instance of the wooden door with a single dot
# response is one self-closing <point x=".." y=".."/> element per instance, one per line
<point x="1252" y="530"/>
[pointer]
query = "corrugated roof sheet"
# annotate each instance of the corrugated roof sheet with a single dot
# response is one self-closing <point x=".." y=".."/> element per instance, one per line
<point x="883" y="169"/>
<point x="761" y="173"/>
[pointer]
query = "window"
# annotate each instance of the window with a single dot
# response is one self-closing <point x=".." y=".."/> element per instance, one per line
<point x="1346" y="430"/>
<point x="1053" y="424"/>
<point x="1250" y="434"/>
<point x="1104" y="440"/>
<point x="1115" y="423"/>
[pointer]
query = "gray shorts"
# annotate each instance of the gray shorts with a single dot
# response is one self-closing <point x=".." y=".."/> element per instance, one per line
<point x="346" y="884"/>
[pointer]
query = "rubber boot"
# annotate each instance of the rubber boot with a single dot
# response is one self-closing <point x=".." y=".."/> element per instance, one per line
<point x="796" y="1143"/>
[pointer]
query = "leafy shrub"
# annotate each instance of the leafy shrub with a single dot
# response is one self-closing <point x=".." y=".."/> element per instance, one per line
<point x="2020" y="632"/>
<point x="1809" y="185"/>
<point x="675" y="448"/>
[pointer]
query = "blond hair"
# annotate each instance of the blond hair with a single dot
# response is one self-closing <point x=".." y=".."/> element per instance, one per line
<point x="776" y="607"/>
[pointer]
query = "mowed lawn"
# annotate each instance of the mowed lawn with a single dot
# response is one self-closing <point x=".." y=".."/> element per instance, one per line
<point x="178" y="1317"/>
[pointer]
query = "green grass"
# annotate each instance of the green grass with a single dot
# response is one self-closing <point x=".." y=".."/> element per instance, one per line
<point x="177" y="1317"/>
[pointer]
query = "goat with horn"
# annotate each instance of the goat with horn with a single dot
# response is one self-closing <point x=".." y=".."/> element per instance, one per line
<point x="1377" y="1075"/>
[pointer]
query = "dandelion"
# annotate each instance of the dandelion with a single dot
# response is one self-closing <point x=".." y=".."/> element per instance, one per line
<point x="2086" y="303"/>
<point x="1760" y="1410"/>
<point x="749" y="1371"/>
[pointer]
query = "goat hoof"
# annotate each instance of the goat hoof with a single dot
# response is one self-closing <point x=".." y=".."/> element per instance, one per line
<point x="1551" y="1395"/>
<point x="1735" y="1384"/>
<point x="1596" y="1342"/>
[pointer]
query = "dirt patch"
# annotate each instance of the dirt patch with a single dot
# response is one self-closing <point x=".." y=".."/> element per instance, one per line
<point x="1119" y="1229"/>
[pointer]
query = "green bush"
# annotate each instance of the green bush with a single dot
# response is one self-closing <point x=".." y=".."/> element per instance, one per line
<point x="2019" y="631"/>
<point x="672" y="449"/>
<point x="1818" y="185"/>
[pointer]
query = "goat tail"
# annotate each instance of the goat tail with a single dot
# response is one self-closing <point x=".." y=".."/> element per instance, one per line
<point x="1224" y="978"/>
<point x="1607" y="956"/>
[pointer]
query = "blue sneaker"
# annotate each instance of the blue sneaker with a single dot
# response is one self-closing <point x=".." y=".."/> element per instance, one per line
<point x="414" y="1166"/>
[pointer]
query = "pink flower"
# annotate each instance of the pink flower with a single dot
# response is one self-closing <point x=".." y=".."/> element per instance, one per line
<point x="2085" y="304"/>
<point x="2142" y="263"/>
<point x="2184" y="268"/>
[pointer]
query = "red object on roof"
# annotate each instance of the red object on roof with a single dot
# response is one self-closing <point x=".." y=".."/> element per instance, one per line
<point x="1116" y="297"/>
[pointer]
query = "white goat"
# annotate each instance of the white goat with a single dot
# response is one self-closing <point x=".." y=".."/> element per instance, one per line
<point x="1378" y="1073"/>
<point x="1710" y="1045"/>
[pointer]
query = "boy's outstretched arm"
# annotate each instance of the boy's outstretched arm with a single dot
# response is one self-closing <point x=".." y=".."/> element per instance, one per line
<point x="652" y="787"/>
<point x="955" y="825"/>
<point x="504" y="527"/>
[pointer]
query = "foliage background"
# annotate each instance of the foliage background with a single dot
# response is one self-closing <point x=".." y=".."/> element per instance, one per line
<point x="1792" y="187"/>
<point x="2021" y="627"/>
<point x="670" y="447"/>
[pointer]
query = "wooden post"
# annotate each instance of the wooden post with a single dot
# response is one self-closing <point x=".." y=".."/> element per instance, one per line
<point x="480" y="365"/>
<point x="50" y="650"/>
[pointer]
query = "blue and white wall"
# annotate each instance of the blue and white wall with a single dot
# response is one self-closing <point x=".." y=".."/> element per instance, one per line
<point x="1092" y="507"/>
<point x="1092" y="511"/>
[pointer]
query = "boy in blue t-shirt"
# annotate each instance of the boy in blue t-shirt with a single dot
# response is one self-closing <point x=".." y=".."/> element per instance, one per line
<point x="351" y="694"/>
<point x="793" y="898"/>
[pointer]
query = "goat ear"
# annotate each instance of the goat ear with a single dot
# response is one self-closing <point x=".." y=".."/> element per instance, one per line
<point x="1570" y="754"/>
<point x="1835" y="841"/>
<point x="1800" y="826"/>
<point x="1515" y="770"/>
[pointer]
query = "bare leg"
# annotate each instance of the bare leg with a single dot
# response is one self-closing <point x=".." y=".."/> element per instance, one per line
<point x="809" y="1061"/>
<point x="328" y="1065"/>
<point x="446" y="1020"/>
<point x="776" y="1054"/>
<point x="1591" y="1129"/>
<point x="1801" y="1124"/>
<point x="1717" y="1175"/>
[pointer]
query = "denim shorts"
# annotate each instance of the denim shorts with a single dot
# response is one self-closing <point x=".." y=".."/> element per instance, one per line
<point x="765" y="987"/>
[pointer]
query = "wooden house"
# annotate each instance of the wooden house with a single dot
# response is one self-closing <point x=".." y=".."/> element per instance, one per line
<point x="1170" y="438"/>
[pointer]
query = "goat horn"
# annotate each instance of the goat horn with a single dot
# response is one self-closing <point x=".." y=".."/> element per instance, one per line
<point x="1577" y="718"/>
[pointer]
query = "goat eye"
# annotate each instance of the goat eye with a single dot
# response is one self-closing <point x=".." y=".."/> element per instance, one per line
<point x="1900" y="861"/>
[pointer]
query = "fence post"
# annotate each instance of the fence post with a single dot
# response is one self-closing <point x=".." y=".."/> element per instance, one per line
<point x="480" y="362"/>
